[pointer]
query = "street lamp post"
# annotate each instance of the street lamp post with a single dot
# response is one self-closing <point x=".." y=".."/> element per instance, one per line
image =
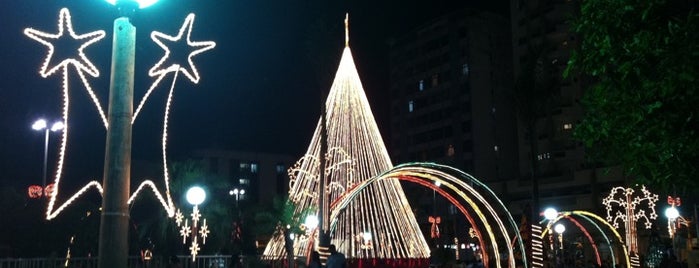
<point x="113" y="236"/>
<point x="237" y="192"/>
<point x="550" y="214"/>
<point x="42" y="125"/>
<point x="560" y="228"/>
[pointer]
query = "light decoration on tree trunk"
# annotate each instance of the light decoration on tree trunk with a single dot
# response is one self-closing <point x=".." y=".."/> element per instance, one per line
<point x="356" y="152"/>
<point x="82" y="66"/>
<point x="624" y="205"/>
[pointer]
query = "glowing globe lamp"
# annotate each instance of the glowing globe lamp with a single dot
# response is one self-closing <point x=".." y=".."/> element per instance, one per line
<point x="672" y="213"/>
<point x="196" y="195"/>
<point x="550" y="214"/>
<point x="311" y="221"/>
<point x="141" y="3"/>
<point x="559" y="228"/>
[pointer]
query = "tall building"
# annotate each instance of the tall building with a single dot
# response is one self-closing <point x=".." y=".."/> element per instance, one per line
<point x="261" y="175"/>
<point x="451" y="95"/>
<point x="542" y="43"/>
<point x="451" y="103"/>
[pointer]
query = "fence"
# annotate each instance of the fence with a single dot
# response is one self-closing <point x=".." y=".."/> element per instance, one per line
<point x="202" y="261"/>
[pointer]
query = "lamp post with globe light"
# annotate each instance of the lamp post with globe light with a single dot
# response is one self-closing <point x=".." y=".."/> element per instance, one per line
<point x="550" y="214"/>
<point x="113" y="235"/>
<point x="559" y="229"/>
<point x="237" y="192"/>
<point x="40" y="125"/>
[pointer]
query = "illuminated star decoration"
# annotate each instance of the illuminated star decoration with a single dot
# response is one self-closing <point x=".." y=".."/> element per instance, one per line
<point x="159" y="71"/>
<point x="82" y="65"/>
<point x="194" y="231"/>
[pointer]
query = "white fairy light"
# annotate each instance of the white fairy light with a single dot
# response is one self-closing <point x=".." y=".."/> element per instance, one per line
<point x="83" y="65"/>
<point x="623" y="206"/>
<point x="356" y="152"/>
<point x="159" y="71"/>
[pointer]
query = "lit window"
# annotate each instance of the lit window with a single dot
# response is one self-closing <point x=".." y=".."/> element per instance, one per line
<point x="495" y="148"/>
<point x="464" y="69"/>
<point x="411" y="107"/>
<point x="244" y="167"/>
<point x="253" y="168"/>
<point x="568" y="126"/>
<point x="244" y="181"/>
<point x="280" y="168"/>
<point x="421" y="85"/>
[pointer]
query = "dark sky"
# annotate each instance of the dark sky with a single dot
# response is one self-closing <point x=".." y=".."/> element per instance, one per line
<point x="259" y="90"/>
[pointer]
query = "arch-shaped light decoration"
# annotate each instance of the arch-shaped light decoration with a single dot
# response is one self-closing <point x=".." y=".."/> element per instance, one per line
<point x="487" y="207"/>
<point x="596" y="221"/>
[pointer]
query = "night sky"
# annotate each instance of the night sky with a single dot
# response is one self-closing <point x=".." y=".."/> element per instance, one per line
<point x="260" y="87"/>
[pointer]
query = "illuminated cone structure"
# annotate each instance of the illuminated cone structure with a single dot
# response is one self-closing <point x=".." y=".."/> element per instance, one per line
<point x="355" y="153"/>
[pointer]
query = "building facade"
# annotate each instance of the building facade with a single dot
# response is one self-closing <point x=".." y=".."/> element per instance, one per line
<point x="542" y="43"/>
<point x="450" y="87"/>
<point x="261" y="176"/>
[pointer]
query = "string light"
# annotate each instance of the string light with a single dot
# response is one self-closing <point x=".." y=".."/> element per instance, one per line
<point x="594" y="220"/>
<point x="356" y="152"/>
<point x="159" y="70"/>
<point x="462" y="185"/>
<point x="83" y="65"/>
<point x="194" y="231"/>
<point x="623" y="206"/>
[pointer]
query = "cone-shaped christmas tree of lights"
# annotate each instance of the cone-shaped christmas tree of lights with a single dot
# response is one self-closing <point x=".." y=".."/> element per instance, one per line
<point x="379" y="222"/>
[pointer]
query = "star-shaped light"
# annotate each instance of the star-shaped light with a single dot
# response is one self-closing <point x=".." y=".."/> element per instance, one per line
<point x="204" y="232"/>
<point x="197" y="48"/>
<point x="81" y="62"/>
<point x="179" y="217"/>
<point x="185" y="231"/>
<point x="194" y="249"/>
<point x="195" y="216"/>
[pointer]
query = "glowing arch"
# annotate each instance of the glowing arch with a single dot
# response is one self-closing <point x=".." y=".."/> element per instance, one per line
<point x="488" y="208"/>
<point x="594" y="220"/>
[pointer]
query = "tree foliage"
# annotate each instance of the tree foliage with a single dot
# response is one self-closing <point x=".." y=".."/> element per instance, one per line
<point x="641" y="107"/>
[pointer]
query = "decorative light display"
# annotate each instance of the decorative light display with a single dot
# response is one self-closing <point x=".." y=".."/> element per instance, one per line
<point x="194" y="231"/>
<point x="83" y="65"/>
<point x="434" y="229"/>
<point x="356" y="152"/>
<point x="674" y="219"/>
<point x="35" y="191"/>
<point x="160" y="69"/>
<point x="593" y="220"/>
<point x="623" y="205"/>
<point x="491" y="214"/>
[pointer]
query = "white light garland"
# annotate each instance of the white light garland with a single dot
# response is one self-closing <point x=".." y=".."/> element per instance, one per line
<point x="160" y="71"/>
<point x="356" y="152"/>
<point x="623" y="206"/>
<point x="194" y="231"/>
<point x="83" y="65"/>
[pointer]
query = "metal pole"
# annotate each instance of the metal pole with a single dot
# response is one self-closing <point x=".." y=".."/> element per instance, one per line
<point x="46" y="156"/>
<point x="113" y="237"/>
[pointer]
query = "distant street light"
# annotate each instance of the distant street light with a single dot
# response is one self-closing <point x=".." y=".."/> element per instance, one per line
<point x="237" y="192"/>
<point x="40" y="125"/>
<point x="672" y="213"/>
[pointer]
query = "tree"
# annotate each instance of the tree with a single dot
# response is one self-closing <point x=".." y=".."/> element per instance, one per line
<point x="641" y="57"/>
<point x="217" y="209"/>
<point x="281" y="218"/>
